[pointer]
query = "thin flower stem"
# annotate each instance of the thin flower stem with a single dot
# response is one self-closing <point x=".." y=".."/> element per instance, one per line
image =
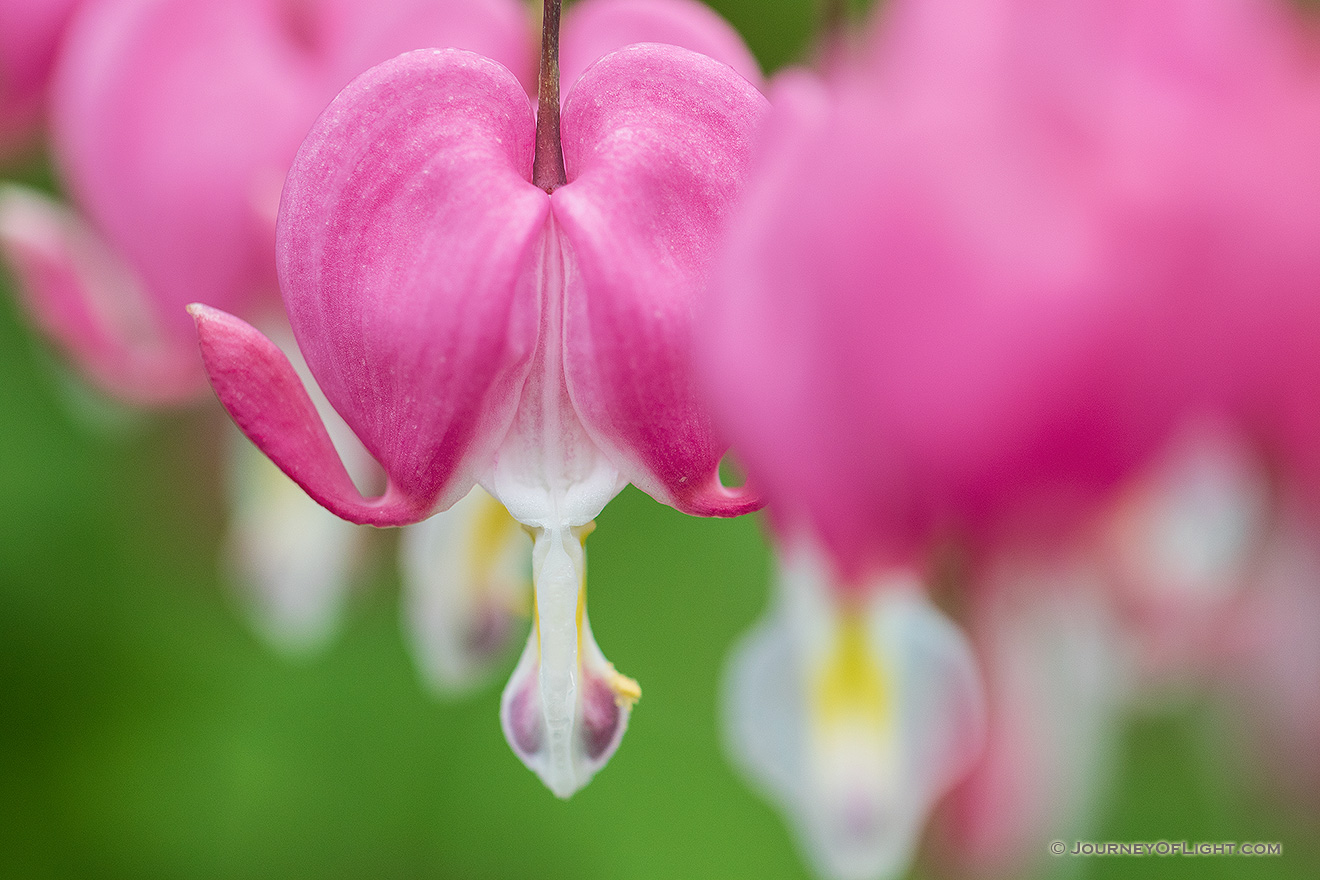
<point x="833" y="19"/>
<point x="548" y="166"/>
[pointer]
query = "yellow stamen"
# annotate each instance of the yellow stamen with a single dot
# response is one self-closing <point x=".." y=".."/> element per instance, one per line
<point x="626" y="690"/>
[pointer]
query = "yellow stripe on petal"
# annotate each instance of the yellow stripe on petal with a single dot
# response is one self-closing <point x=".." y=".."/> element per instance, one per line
<point x="566" y="707"/>
<point x="853" y="688"/>
<point x="493" y="538"/>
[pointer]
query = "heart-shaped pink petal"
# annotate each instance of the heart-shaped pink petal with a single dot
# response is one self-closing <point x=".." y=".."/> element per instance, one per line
<point x="656" y="145"/>
<point x="406" y="241"/>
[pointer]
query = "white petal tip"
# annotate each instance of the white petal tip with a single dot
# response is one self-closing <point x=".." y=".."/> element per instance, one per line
<point x="566" y="708"/>
<point x="854" y="718"/>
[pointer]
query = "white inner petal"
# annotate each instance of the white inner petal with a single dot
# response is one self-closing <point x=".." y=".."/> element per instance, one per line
<point x="293" y="559"/>
<point x="548" y="473"/>
<point x="855" y="711"/>
<point x="565" y="707"/>
<point x="1193" y="528"/>
<point x="467" y="577"/>
<point x="1055" y="662"/>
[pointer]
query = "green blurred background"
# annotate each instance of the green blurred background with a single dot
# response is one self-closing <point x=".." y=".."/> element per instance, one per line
<point x="145" y="732"/>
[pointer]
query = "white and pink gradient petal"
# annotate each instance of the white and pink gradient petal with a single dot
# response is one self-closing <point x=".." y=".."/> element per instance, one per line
<point x="1183" y="544"/>
<point x="290" y="560"/>
<point x="854" y="712"/>
<point x="467" y="582"/>
<point x="565" y="708"/>
<point x="551" y="477"/>
<point x="1269" y="664"/>
<point x="1058" y="674"/>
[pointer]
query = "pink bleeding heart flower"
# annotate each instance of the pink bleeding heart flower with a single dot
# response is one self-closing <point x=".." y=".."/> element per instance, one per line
<point x="1210" y="113"/>
<point x="1217" y="577"/>
<point x="966" y="296"/>
<point x="480" y="306"/>
<point x="30" y="32"/>
<point x="176" y="123"/>
<point x="1180" y="548"/>
<point x="1267" y="670"/>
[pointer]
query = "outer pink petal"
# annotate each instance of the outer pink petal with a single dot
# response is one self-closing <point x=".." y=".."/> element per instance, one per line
<point x="919" y="322"/>
<point x="164" y="112"/>
<point x="376" y="32"/>
<point x="405" y="242"/>
<point x="176" y="121"/>
<point x="90" y="305"/>
<point x="594" y="28"/>
<point x="29" y="35"/>
<point x="656" y="145"/>
<point x="263" y="394"/>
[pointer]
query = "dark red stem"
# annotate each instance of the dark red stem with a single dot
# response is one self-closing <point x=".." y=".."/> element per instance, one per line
<point x="548" y="166"/>
<point x="833" y="18"/>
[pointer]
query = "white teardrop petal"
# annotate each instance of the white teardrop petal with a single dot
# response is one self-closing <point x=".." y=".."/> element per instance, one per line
<point x="467" y="582"/>
<point x="293" y="560"/>
<point x="854" y="712"/>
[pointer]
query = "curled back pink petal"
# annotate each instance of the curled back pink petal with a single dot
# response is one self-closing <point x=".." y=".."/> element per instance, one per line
<point x="656" y="140"/>
<point x="594" y="28"/>
<point x="30" y="32"/>
<point x="263" y="394"/>
<point x="82" y="296"/>
<point x="406" y="233"/>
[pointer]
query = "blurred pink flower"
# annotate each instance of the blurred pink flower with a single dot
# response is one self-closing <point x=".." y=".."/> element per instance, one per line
<point x="986" y="263"/>
<point x="1180" y="547"/>
<point x="1214" y="567"/>
<point x="984" y="268"/>
<point x="174" y="122"/>
<point x="475" y="314"/>
<point x="30" y="32"/>
<point x="1056" y="662"/>
<point x="1267" y="673"/>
